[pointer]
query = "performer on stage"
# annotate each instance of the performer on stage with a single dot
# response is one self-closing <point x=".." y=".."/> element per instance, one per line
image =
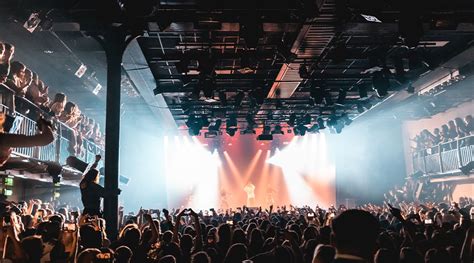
<point x="250" y="190"/>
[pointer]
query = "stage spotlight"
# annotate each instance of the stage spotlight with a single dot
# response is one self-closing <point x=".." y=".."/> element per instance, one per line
<point x="250" y="125"/>
<point x="320" y="122"/>
<point x="216" y="126"/>
<point x="381" y="83"/>
<point x="367" y="105"/>
<point x="231" y="125"/>
<point x="232" y="121"/>
<point x="360" y="108"/>
<point x="266" y="134"/>
<point x="265" y="137"/>
<point x="183" y="65"/>
<point x="223" y="98"/>
<point x="204" y="121"/>
<point x="339" y="126"/>
<point x="239" y="98"/>
<point x="207" y="64"/>
<point x="266" y="129"/>
<point x="410" y="88"/>
<point x="277" y="129"/>
<point x="314" y="128"/>
<point x="258" y="94"/>
<point x="303" y="71"/>
<point x="231" y="131"/>
<point x="292" y="120"/>
<point x="196" y="93"/>
<point x="247" y="63"/>
<point x="328" y="97"/>
<point x="195" y="124"/>
<point x="300" y="129"/>
<point x="191" y="120"/>
<point x="285" y="53"/>
<point x="362" y="91"/>
<point x="208" y="85"/>
<point x="317" y="94"/>
<point x="306" y="120"/>
<point x="399" y="69"/>
<point x="250" y="120"/>
<point x="341" y="98"/>
<point x="345" y="118"/>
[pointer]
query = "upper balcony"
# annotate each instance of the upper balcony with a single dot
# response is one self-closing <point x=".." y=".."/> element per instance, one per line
<point x="35" y="162"/>
<point x="444" y="160"/>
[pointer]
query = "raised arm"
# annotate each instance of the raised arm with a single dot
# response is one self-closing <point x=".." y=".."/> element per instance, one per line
<point x="177" y="226"/>
<point x="197" y="225"/>
<point x="154" y="229"/>
<point x="43" y="138"/>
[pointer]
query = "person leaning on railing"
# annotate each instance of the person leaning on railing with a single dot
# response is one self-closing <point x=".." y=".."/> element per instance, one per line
<point x="9" y="141"/>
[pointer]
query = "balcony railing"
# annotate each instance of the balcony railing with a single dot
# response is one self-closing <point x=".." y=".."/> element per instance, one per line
<point x="444" y="158"/>
<point x="57" y="151"/>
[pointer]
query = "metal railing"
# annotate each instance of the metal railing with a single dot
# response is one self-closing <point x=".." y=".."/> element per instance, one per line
<point x="444" y="158"/>
<point x="57" y="151"/>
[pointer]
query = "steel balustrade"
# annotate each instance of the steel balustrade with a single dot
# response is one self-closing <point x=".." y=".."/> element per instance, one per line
<point x="445" y="158"/>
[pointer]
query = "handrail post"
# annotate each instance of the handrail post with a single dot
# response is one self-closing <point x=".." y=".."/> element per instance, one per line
<point x="460" y="163"/>
<point x="440" y="160"/>
<point x="58" y="143"/>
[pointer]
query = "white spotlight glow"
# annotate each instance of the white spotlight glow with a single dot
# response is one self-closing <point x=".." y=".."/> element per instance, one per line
<point x="191" y="172"/>
<point x="303" y="162"/>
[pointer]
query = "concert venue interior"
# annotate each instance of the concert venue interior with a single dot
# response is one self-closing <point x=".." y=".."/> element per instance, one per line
<point x="261" y="109"/>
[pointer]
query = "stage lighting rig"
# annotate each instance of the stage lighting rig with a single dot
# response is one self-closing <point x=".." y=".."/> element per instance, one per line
<point x="300" y="129"/>
<point x="223" y="98"/>
<point x="216" y="126"/>
<point x="306" y="120"/>
<point x="266" y="134"/>
<point x="183" y="65"/>
<point x="381" y="82"/>
<point x="320" y="122"/>
<point x="317" y="94"/>
<point x="341" y="98"/>
<point x="362" y="88"/>
<point x="328" y="97"/>
<point x="303" y="71"/>
<point x="195" y="124"/>
<point x="292" y="120"/>
<point x="239" y="98"/>
<point x="251" y="124"/>
<point x="345" y="118"/>
<point x="285" y="53"/>
<point x="231" y="124"/>
<point x="277" y="129"/>
<point x="314" y="128"/>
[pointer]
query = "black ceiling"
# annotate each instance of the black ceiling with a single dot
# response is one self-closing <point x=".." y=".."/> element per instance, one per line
<point x="217" y="40"/>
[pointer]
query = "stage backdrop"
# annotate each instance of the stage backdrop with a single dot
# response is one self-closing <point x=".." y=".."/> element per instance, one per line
<point x="212" y="173"/>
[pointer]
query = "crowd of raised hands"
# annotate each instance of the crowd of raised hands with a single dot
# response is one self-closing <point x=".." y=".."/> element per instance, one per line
<point x="35" y="231"/>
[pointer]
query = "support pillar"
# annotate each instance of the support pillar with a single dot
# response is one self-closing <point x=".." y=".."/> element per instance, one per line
<point x="114" y="40"/>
